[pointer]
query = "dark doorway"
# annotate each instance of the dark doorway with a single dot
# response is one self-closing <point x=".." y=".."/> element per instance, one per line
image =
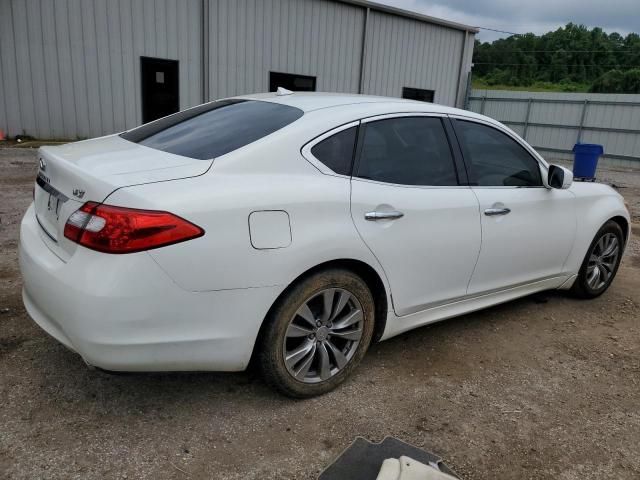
<point x="160" y="95"/>
<point x="418" y="94"/>
<point x="291" y="81"/>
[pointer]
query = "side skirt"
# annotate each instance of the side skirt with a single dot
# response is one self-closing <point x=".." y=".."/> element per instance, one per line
<point x="397" y="325"/>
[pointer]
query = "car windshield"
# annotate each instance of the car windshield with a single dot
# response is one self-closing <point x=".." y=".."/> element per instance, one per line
<point x="213" y="129"/>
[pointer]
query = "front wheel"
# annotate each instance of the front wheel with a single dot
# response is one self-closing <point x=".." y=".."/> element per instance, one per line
<point x="317" y="333"/>
<point x="601" y="262"/>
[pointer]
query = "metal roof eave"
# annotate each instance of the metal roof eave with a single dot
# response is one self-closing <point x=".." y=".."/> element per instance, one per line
<point x="409" y="14"/>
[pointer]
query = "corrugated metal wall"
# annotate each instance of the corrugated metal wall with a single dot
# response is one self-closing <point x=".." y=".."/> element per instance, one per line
<point x="71" y="68"/>
<point x="250" y="38"/>
<point x="402" y="52"/>
<point x="612" y="120"/>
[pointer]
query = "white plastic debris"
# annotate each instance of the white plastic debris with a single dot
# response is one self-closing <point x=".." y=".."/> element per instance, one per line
<point x="405" y="468"/>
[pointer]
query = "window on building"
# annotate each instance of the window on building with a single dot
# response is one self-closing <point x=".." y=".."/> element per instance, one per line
<point x="215" y="128"/>
<point x="407" y="151"/>
<point x="336" y="151"/>
<point x="495" y="159"/>
<point x="160" y="92"/>
<point x="291" y="81"/>
<point x="418" y="94"/>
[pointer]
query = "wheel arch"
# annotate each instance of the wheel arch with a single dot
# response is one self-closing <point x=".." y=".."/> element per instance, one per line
<point x="624" y="225"/>
<point x="365" y="271"/>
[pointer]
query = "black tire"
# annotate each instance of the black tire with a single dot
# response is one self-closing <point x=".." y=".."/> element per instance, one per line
<point x="581" y="288"/>
<point x="273" y="342"/>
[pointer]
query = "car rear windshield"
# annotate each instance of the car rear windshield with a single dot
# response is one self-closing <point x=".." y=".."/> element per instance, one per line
<point x="213" y="129"/>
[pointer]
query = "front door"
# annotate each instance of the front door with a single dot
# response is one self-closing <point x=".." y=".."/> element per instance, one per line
<point x="528" y="230"/>
<point x="160" y="94"/>
<point x="411" y="212"/>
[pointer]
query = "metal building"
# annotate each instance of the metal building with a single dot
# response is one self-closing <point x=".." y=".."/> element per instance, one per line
<point x="83" y="68"/>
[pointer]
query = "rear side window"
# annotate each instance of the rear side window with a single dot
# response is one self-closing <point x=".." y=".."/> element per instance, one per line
<point x="495" y="159"/>
<point x="336" y="151"/>
<point x="213" y="129"/>
<point x="407" y="151"/>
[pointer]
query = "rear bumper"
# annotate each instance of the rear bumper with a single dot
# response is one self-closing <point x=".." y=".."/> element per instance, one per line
<point x="123" y="313"/>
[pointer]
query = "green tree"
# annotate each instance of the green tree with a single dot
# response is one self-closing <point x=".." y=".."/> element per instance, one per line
<point x="569" y="57"/>
<point x="610" y="82"/>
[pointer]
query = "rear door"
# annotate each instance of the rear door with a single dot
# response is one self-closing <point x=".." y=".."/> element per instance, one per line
<point x="527" y="229"/>
<point x="411" y="210"/>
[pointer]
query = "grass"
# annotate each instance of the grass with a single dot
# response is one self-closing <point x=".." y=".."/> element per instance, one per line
<point x="479" y="83"/>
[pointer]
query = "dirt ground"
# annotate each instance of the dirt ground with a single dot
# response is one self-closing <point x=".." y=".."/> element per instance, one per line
<point x="543" y="387"/>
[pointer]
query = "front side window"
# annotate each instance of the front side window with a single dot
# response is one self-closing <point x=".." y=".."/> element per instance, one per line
<point x="407" y="151"/>
<point x="336" y="151"/>
<point x="215" y="128"/>
<point x="495" y="159"/>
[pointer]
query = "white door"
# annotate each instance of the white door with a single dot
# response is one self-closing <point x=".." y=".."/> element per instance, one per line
<point x="527" y="229"/>
<point x="410" y="211"/>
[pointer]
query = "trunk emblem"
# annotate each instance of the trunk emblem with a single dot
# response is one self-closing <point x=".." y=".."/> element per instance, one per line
<point x="43" y="165"/>
<point x="78" y="193"/>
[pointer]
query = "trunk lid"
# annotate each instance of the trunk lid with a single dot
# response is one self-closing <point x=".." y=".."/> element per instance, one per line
<point x="71" y="174"/>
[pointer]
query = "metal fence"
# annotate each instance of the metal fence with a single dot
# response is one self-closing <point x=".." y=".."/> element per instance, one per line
<point x="553" y="122"/>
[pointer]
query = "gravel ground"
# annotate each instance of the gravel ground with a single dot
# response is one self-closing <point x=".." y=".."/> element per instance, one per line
<point x="543" y="387"/>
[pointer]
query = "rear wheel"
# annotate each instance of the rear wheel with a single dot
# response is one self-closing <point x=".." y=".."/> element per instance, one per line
<point x="601" y="263"/>
<point x="317" y="333"/>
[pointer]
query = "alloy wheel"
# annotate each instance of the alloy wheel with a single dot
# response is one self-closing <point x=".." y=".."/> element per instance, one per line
<point x="602" y="261"/>
<point x="323" y="335"/>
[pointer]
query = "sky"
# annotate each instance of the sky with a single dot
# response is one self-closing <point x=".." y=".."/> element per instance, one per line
<point x="537" y="16"/>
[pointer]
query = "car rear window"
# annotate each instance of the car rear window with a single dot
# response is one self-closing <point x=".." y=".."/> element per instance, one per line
<point x="213" y="129"/>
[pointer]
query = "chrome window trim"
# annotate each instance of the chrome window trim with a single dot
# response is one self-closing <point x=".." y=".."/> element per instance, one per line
<point x="385" y="116"/>
<point x="542" y="163"/>
<point x="309" y="157"/>
<point x="402" y="185"/>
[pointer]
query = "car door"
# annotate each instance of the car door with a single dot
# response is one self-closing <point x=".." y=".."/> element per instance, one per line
<point x="527" y="229"/>
<point x="411" y="211"/>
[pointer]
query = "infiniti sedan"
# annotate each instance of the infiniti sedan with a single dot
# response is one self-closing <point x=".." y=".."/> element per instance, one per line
<point x="295" y="229"/>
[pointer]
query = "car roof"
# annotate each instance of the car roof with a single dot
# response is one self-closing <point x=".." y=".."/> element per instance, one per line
<point x="310" y="101"/>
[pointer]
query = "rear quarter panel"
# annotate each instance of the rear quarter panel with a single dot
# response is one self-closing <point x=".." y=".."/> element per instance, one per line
<point x="270" y="174"/>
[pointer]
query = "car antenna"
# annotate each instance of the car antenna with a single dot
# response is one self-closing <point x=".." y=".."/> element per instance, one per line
<point x="283" y="91"/>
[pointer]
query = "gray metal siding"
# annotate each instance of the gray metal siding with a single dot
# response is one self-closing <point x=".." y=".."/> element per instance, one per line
<point x="402" y="52"/>
<point x="250" y="38"/>
<point x="71" y="68"/>
<point x="566" y="110"/>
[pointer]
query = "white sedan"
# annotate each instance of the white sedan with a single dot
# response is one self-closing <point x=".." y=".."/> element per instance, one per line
<point x="296" y="229"/>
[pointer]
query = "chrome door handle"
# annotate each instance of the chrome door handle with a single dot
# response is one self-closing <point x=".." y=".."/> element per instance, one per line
<point x="492" y="212"/>
<point x="373" y="216"/>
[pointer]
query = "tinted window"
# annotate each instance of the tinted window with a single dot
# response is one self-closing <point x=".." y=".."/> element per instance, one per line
<point x="495" y="159"/>
<point x="336" y="151"/>
<point x="213" y="129"/>
<point x="407" y="150"/>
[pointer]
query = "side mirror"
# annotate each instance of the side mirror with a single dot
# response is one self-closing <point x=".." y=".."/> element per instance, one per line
<point x="559" y="177"/>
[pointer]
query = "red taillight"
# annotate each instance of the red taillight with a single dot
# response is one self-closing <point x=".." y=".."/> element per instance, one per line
<point x="112" y="229"/>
